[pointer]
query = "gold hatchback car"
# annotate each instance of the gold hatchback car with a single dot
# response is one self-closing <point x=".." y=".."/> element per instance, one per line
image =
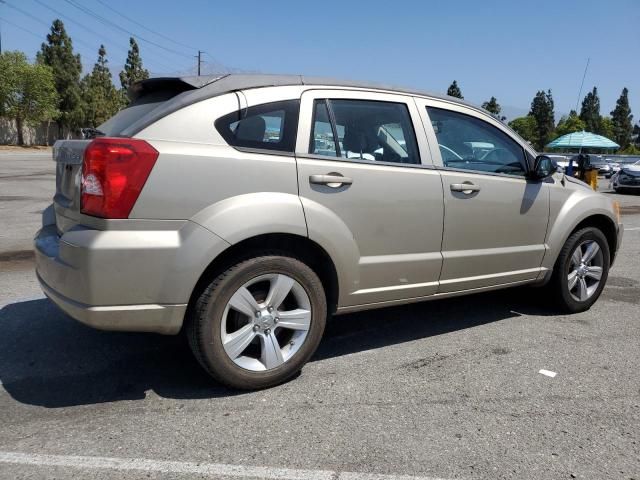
<point x="246" y="208"/>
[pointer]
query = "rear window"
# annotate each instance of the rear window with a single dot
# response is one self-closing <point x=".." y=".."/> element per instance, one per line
<point x="137" y="110"/>
<point x="270" y="126"/>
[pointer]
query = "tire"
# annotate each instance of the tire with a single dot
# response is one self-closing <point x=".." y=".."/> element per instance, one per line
<point x="571" y="300"/>
<point x="213" y="313"/>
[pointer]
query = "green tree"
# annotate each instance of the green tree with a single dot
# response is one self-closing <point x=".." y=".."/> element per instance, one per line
<point x="622" y="120"/>
<point x="569" y="124"/>
<point x="492" y="106"/>
<point x="58" y="54"/>
<point x="636" y="132"/>
<point x="454" y="90"/>
<point x="27" y="92"/>
<point x="630" y="150"/>
<point x="133" y="70"/>
<point x="606" y="128"/>
<point x="542" y="110"/>
<point x="102" y="100"/>
<point x="590" y="112"/>
<point x="525" y="127"/>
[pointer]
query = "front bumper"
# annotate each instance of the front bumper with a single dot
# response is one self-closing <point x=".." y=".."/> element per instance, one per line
<point x="138" y="281"/>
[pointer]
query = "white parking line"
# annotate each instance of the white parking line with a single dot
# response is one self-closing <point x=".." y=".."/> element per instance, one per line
<point x="631" y="229"/>
<point x="208" y="469"/>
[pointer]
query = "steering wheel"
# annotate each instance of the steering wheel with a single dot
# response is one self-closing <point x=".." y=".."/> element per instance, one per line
<point x="495" y="155"/>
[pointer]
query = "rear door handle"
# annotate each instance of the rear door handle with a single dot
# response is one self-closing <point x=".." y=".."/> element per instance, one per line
<point x="333" y="180"/>
<point x="467" y="188"/>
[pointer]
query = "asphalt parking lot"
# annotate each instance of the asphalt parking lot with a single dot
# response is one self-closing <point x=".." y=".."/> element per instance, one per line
<point x="447" y="389"/>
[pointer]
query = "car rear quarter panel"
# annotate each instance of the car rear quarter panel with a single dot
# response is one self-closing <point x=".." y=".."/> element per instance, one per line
<point x="234" y="194"/>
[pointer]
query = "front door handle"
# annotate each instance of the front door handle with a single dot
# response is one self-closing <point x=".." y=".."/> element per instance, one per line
<point x="333" y="180"/>
<point x="467" y="188"/>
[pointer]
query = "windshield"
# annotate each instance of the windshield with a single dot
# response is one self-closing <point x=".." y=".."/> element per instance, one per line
<point x="134" y="112"/>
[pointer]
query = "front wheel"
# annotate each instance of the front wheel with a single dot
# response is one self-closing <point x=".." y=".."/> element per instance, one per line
<point x="581" y="270"/>
<point x="259" y="322"/>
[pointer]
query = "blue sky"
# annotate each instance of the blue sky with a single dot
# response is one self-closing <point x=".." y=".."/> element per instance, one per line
<point x="509" y="49"/>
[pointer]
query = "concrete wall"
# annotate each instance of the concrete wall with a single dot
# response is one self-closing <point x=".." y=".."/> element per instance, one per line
<point x="44" y="134"/>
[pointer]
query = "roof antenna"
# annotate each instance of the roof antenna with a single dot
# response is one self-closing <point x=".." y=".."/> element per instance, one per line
<point x="582" y="84"/>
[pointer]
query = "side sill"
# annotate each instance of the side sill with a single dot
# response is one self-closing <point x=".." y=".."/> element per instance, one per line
<point x="435" y="296"/>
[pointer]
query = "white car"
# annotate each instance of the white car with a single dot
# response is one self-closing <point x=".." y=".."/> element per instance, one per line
<point x="562" y="161"/>
<point x="627" y="178"/>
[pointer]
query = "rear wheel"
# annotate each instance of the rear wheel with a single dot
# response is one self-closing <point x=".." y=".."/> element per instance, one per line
<point x="581" y="270"/>
<point x="258" y="322"/>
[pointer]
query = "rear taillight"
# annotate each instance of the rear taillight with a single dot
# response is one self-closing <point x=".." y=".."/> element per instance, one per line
<point x="114" y="170"/>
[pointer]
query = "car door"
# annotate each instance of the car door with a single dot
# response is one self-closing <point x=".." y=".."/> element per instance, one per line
<point x="370" y="193"/>
<point x="495" y="219"/>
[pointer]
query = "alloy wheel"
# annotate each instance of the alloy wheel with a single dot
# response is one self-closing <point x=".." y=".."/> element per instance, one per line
<point x="265" y="322"/>
<point x="585" y="270"/>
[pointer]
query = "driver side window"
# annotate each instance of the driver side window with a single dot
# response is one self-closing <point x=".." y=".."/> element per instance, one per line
<point x="468" y="143"/>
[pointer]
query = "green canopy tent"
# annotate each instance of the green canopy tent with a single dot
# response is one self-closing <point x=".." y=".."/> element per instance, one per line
<point x="583" y="140"/>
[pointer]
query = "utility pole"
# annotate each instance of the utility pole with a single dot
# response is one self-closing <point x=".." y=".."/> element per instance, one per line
<point x="4" y="3"/>
<point x="200" y="52"/>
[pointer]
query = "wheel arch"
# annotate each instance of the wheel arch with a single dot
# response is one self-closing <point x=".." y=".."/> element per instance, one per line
<point x="606" y="225"/>
<point x="299" y="246"/>
<point x="559" y="235"/>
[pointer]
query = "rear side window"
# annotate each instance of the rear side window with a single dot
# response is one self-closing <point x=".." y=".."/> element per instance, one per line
<point x="270" y="126"/>
<point x="364" y="130"/>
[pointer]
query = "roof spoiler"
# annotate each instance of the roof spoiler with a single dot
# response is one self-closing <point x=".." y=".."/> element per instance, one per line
<point x="175" y="84"/>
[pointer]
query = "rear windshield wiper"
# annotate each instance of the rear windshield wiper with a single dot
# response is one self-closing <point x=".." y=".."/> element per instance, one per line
<point x="89" y="133"/>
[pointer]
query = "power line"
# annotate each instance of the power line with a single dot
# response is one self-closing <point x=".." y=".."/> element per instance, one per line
<point x="21" y="28"/>
<point x="90" y="48"/>
<point x="28" y="31"/>
<point x="582" y="84"/>
<point x="33" y="17"/>
<point x="79" y="24"/>
<point x="115" y="25"/>
<point x="88" y="29"/>
<point x="216" y="63"/>
<point x="105" y="4"/>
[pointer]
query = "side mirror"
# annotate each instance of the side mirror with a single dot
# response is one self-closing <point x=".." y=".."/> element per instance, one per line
<point x="543" y="167"/>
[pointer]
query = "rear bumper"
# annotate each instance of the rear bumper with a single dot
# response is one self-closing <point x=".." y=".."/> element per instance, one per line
<point x="165" y="319"/>
<point x="126" y="280"/>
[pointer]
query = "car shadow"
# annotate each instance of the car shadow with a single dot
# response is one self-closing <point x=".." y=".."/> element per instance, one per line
<point x="47" y="359"/>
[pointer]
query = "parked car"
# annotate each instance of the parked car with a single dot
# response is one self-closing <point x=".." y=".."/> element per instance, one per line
<point x="562" y="161"/>
<point x="604" y="167"/>
<point x="207" y="205"/>
<point x="615" y="167"/>
<point x="627" y="178"/>
<point x="617" y="162"/>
